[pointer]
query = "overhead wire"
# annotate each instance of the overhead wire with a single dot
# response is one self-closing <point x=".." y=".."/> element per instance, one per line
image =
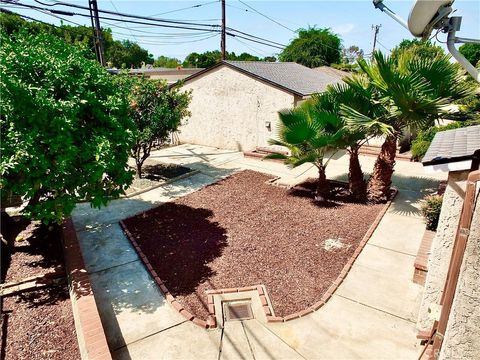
<point x="267" y="17"/>
<point x="113" y="4"/>
<point x="187" y="8"/>
<point x="177" y="25"/>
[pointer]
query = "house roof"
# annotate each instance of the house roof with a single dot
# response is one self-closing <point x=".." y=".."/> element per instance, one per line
<point x="453" y="146"/>
<point x="289" y="76"/>
<point x="340" y="74"/>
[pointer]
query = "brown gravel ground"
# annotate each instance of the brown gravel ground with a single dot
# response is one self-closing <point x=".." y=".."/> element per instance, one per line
<point x="242" y="232"/>
<point x="38" y="324"/>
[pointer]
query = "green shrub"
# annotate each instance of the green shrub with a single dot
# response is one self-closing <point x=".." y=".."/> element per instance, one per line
<point x="66" y="133"/>
<point x="424" y="138"/>
<point x="431" y="208"/>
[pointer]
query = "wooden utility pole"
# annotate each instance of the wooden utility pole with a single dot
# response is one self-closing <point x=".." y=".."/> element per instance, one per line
<point x="222" y="41"/>
<point x="97" y="31"/>
<point x="376" y="29"/>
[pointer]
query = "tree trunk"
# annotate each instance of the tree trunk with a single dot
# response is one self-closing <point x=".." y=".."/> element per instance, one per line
<point x="322" y="185"/>
<point x="139" y="169"/>
<point x="378" y="190"/>
<point x="356" y="182"/>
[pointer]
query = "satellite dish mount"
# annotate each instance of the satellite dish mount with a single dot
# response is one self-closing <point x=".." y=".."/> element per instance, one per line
<point x="429" y="15"/>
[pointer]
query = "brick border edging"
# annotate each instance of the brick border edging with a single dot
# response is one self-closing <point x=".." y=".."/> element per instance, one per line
<point x="90" y="333"/>
<point x="267" y="307"/>
<point x="209" y="323"/>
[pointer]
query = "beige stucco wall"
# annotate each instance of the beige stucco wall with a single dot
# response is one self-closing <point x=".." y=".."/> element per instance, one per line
<point x="441" y="250"/>
<point x="462" y="338"/>
<point x="229" y="110"/>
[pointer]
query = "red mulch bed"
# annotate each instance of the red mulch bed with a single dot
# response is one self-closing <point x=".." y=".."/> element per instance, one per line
<point x="37" y="324"/>
<point x="242" y="232"/>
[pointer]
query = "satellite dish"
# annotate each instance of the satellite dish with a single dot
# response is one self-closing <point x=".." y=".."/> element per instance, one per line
<point x="427" y="15"/>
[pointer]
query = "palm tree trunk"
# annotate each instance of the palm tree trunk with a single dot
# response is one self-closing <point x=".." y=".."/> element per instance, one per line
<point x="378" y="190"/>
<point x="356" y="183"/>
<point x="322" y="185"/>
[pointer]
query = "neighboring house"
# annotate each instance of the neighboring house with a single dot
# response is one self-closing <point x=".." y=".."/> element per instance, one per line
<point x="235" y="104"/>
<point x="458" y="153"/>
<point x="168" y="74"/>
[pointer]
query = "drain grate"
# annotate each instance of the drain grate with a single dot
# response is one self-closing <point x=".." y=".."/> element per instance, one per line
<point x="238" y="311"/>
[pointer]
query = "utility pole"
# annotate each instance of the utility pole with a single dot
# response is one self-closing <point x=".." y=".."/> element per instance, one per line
<point x="222" y="41"/>
<point x="376" y="29"/>
<point x="97" y="31"/>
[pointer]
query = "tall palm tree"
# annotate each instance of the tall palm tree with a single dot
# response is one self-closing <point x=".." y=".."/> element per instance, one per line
<point x="311" y="136"/>
<point x="409" y="93"/>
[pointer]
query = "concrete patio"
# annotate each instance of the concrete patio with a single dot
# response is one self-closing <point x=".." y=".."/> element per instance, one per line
<point x="372" y="315"/>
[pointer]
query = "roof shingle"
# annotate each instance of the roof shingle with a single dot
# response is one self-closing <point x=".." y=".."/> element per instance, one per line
<point x="453" y="145"/>
<point x="289" y="75"/>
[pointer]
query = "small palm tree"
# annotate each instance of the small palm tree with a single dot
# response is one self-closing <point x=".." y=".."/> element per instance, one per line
<point x="311" y="137"/>
<point x="409" y="93"/>
<point x="356" y="92"/>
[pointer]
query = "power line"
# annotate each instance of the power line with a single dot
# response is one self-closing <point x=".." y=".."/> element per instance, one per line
<point x="110" y="18"/>
<point x="6" y="11"/>
<point x="255" y="41"/>
<point x="255" y="37"/>
<point x="267" y="17"/>
<point x="247" y="36"/>
<point x="149" y="18"/>
<point x="171" y="42"/>
<point x="186" y="8"/>
<point x="113" y="4"/>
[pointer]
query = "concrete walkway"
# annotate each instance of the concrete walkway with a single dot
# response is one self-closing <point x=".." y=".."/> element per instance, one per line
<point x="372" y="315"/>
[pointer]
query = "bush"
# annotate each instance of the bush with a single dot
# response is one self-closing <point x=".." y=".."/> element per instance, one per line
<point x="423" y="139"/>
<point x="66" y="133"/>
<point x="431" y="208"/>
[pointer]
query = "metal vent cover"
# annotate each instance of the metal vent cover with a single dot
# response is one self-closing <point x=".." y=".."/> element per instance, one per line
<point x="237" y="311"/>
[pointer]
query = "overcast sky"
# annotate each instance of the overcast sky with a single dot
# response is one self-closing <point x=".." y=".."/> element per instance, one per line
<point x="352" y="20"/>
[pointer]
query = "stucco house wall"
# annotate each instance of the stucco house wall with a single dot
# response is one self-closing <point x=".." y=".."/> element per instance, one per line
<point x="441" y="250"/>
<point x="230" y="110"/>
<point x="462" y="337"/>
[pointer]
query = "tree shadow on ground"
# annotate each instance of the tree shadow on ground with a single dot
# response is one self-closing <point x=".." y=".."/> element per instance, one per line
<point x="338" y="193"/>
<point x="179" y="242"/>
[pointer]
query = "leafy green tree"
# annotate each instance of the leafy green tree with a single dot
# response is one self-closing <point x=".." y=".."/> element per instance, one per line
<point x="351" y="54"/>
<point x="126" y="54"/>
<point x="410" y="93"/>
<point x="311" y="136"/>
<point x="313" y="47"/>
<point x="66" y="133"/>
<point x="417" y="48"/>
<point x="166" y="62"/>
<point x="203" y="60"/>
<point x="157" y="111"/>
<point x="80" y="36"/>
<point x="270" y="59"/>
<point x="471" y="53"/>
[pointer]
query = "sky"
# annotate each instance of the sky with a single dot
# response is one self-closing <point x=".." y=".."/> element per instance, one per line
<point x="351" y="20"/>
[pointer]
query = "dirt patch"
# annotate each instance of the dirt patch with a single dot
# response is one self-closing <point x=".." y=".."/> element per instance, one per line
<point x="242" y="232"/>
<point x="37" y="324"/>
<point x="154" y="174"/>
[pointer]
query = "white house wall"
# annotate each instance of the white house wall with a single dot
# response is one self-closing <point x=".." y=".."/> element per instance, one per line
<point x="229" y="110"/>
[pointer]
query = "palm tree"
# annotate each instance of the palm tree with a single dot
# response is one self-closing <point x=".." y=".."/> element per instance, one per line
<point x="311" y="136"/>
<point x="409" y="93"/>
<point x="356" y="92"/>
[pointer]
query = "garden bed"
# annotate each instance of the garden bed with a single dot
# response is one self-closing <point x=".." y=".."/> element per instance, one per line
<point x="242" y="231"/>
<point x="37" y="324"/>
<point x="154" y="174"/>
